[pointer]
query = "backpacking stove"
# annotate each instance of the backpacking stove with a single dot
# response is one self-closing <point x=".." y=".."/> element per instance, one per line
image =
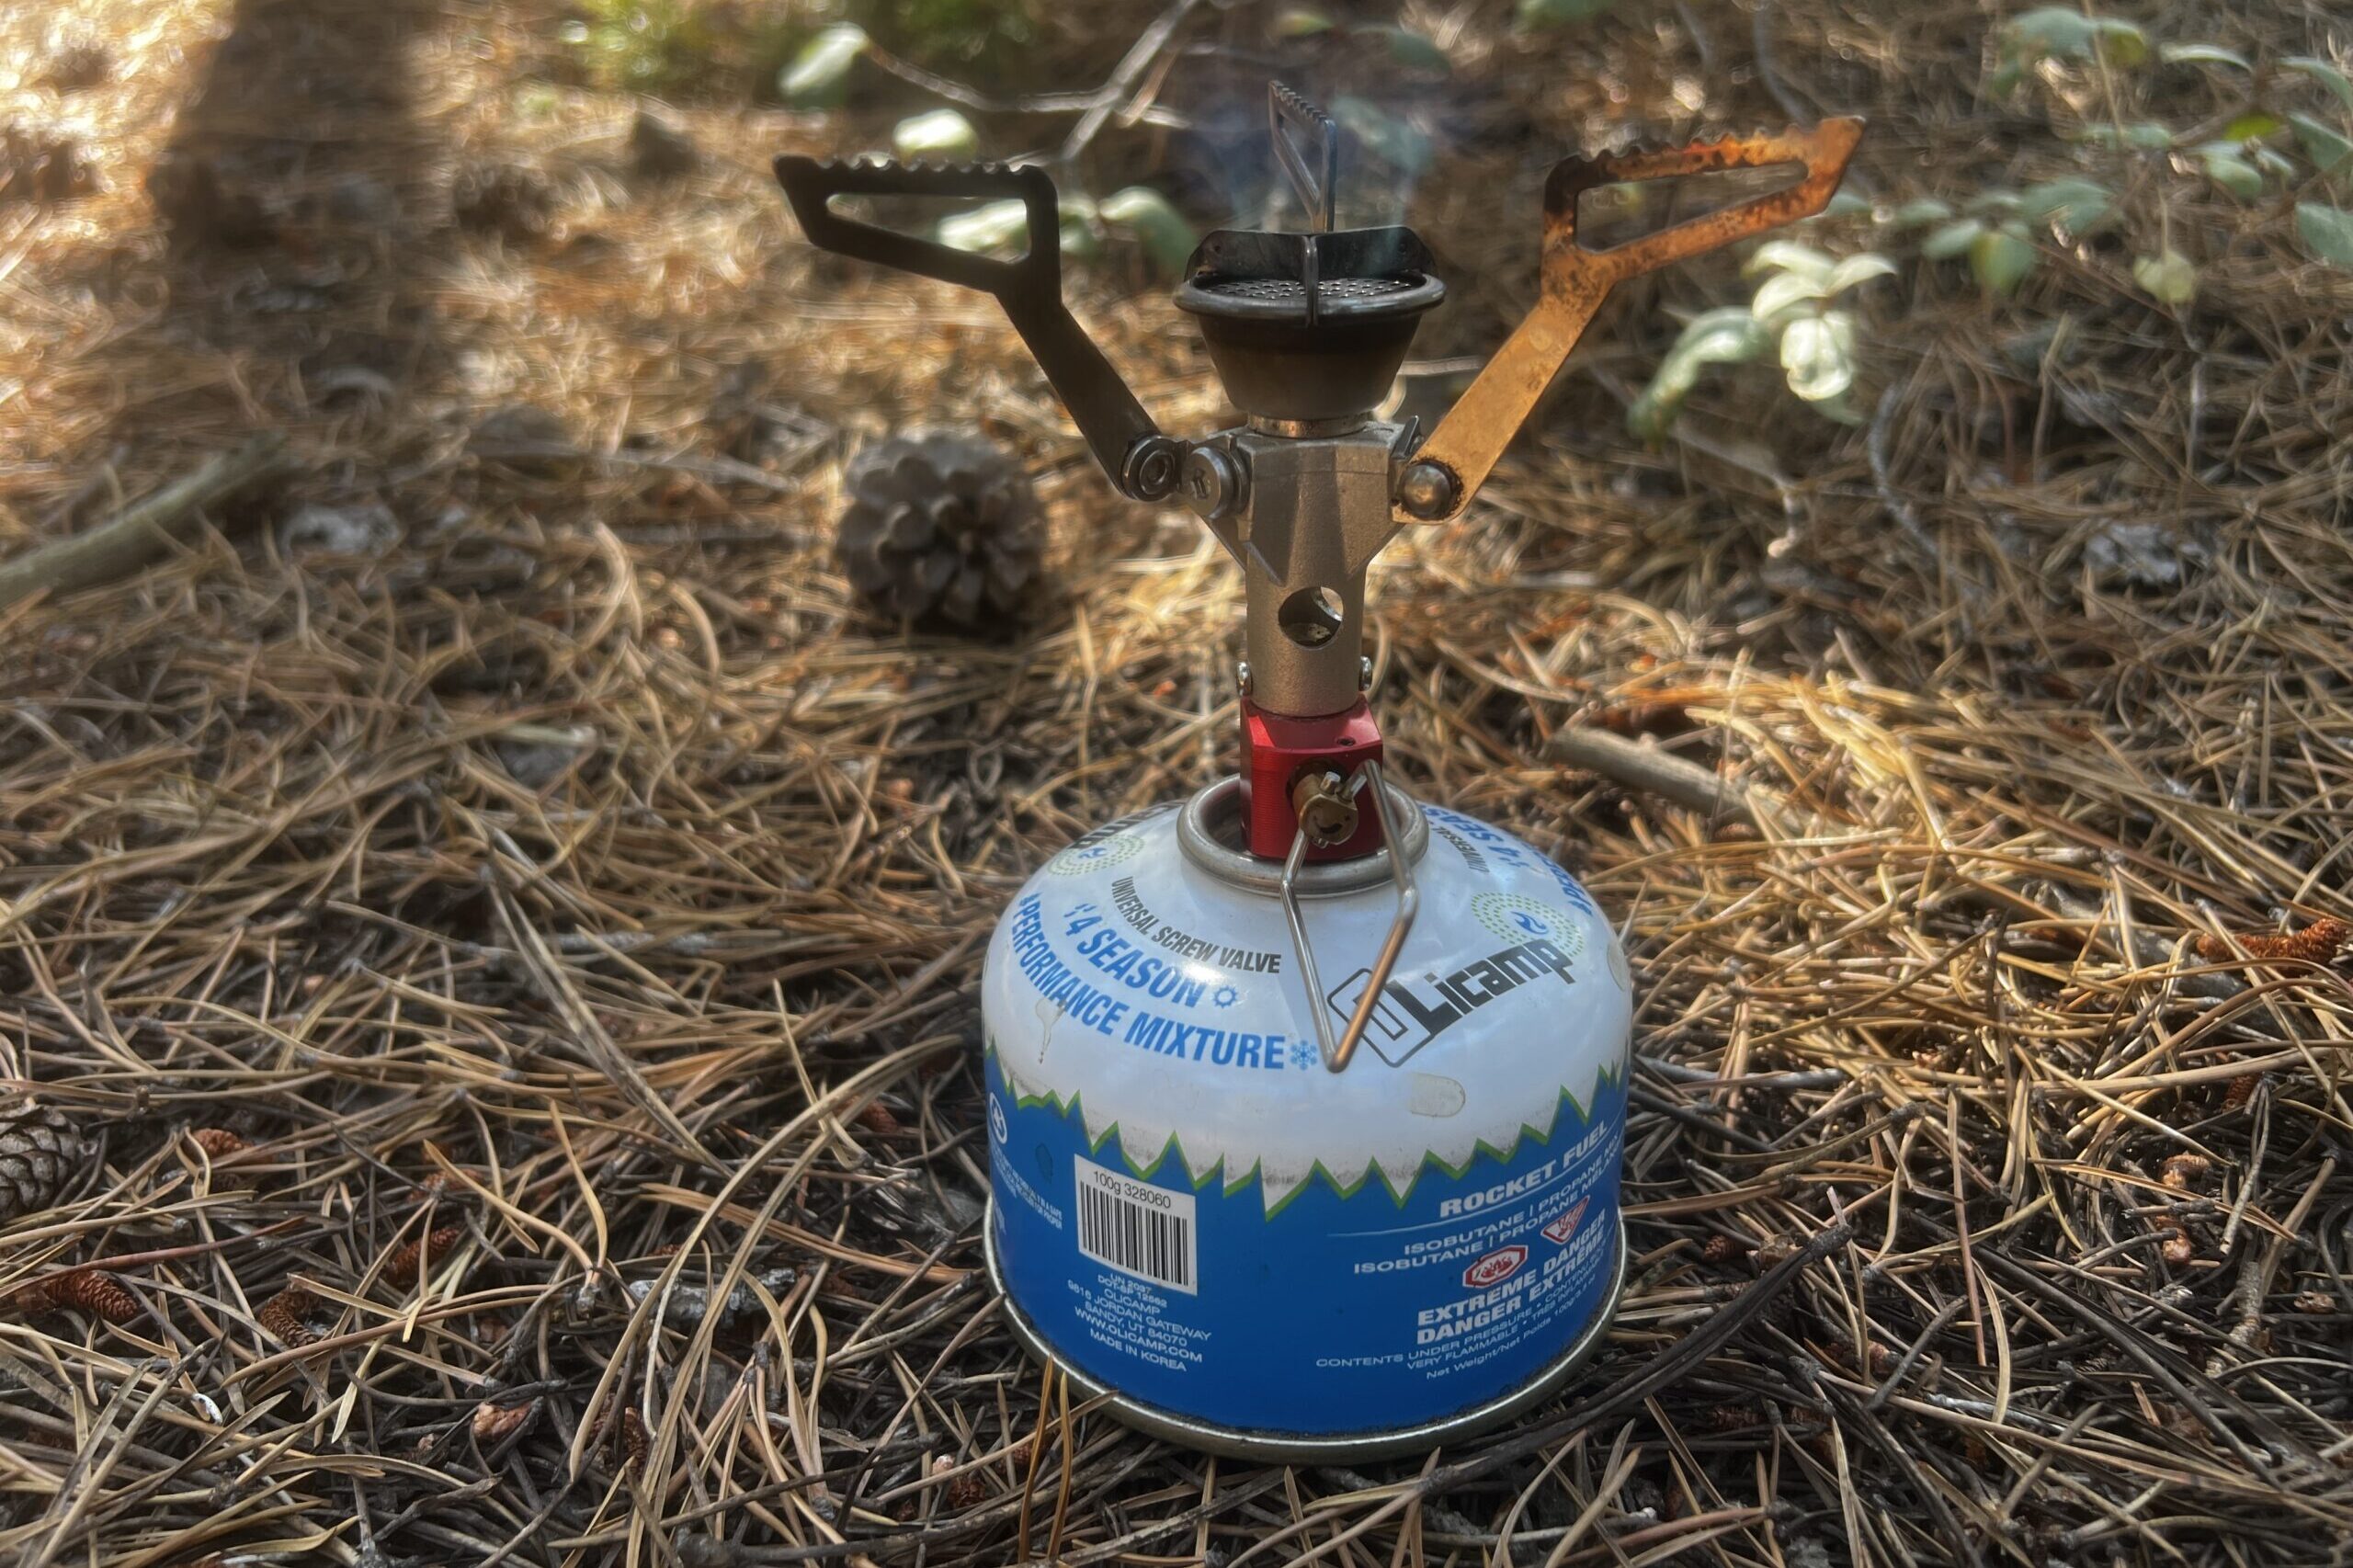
<point x="1260" y="1214"/>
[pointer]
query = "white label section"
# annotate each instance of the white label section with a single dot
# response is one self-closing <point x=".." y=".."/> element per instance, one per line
<point x="1137" y="1228"/>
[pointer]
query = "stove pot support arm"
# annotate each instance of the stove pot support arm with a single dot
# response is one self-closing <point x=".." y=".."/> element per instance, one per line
<point x="1450" y="467"/>
<point x="1141" y="461"/>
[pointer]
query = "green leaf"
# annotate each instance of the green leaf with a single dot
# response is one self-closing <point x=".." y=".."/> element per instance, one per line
<point x="2049" y="30"/>
<point x="940" y="134"/>
<point x="993" y="226"/>
<point x="2201" y="54"/>
<point x="2224" y="166"/>
<point x="1413" y="50"/>
<point x="1390" y="140"/>
<point x="1993" y="201"/>
<point x="2329" y="230"/>
<point x="2056" y="32"/>
<point x="2328" y="151"/>
<point x="2321" y="71"/>
<point x="1167" y="239"/>
<point x="1818" y="355"/>
<point x="2276" y="164"/>
<point x="1788" y="256"/>
<point x="1861" y="267"/>
<point x="2142" y="135"/>
<point x="1726" y="337"/>
<point x="2077" y="206"/>
<point x="819" y="74"/>
<point x="1920" y="213"/>
<point x="1845" y="203"/>
<point x="1299" y="21"/>
<point x="2122" y="42"/>
<point x="2001" y="258"/>
<point x="1077" y="224"/>
<point x="1782" y="292"/>
<point x="1535" y="15"/>
<point x="1952" y="240"/>
<point x="2168" y="277"/>
<point x="2253" y="124"/>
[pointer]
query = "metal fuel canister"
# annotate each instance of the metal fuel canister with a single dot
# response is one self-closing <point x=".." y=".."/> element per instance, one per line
<point x="1306" y="1100"/>
<point x="1259" y="1256"/>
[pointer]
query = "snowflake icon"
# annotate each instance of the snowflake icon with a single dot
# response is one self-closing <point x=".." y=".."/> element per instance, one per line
<point x="1225" y="997"/>
<point x="1303" y="1056"/>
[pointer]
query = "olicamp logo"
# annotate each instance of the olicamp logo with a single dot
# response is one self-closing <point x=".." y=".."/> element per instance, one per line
<point x="1414" y="1011"/>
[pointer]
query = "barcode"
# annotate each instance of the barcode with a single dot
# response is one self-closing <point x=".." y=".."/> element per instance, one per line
<point x="1135" y="1227"/>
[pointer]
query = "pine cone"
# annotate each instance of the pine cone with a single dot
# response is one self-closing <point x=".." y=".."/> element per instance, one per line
<point x="38" y="1149"/>
<point x="514" y="201"/>
<point x="941" y="528"/>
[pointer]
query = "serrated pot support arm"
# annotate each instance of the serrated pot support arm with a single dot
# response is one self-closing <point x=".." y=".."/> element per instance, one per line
<point x="1137" y="457"/>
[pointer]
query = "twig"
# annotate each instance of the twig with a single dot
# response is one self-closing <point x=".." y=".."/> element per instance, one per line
<point x="126" y="542"/>
<point x="1656" y="772"/>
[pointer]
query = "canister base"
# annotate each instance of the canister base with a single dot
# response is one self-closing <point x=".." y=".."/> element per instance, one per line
<point x="1314" y="1448"/>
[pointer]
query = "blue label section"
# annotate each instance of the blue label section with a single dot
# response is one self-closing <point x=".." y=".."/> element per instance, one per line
<point x="1333" y="1314"/>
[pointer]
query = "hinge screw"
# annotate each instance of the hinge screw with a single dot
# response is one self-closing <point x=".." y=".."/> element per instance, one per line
<point x="1427" y="489"/>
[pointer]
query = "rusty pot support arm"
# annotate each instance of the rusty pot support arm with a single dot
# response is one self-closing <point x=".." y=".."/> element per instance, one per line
<point x="1452" y="465"/>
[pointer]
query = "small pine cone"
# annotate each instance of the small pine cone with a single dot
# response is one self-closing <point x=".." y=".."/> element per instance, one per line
<point x="494" y="1421"/>
<point x="968" y="1490"/>
<point x="283" y="1313"/>
<point x="2315" y="943"/>
<point x="635" y="1441"/>
<point x="1722" y="1249"/>
<point x="218" y="1142"/>
<point x="40" y="1148"/>
<point x="878" y="1120"/>
<point x="2180" y="1170"/>
<point x="92" y="1290"/>
<point x="941" y="528"/>
<point x="401" y="1269"/>
<point x="514" y="201"/>
<point x="2241" y="1089"/>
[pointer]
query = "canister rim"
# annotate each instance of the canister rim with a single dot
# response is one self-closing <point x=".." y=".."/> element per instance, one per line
<point x="1197" y="836"/>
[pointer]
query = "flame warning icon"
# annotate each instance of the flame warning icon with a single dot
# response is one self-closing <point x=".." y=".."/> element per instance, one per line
<point x="1496" y="1267"/>
<point x="1559" y="1231"/>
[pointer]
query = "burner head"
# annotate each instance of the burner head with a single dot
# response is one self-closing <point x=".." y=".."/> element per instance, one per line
<point x="1308" y="326"/>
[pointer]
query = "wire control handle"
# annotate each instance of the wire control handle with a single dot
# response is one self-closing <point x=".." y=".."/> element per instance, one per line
<point x="1140" y="460"/>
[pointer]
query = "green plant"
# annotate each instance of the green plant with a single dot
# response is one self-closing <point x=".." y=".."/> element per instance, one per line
<point x="818" y="75"/>
<point x="639" y="44"/>
<point x="2104" y="72"/>
<point x="1138" y="212"/>
<point x="1795" y="310"/>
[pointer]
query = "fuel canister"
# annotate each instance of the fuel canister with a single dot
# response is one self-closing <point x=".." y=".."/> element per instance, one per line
<point x="1257" y="1254"/>
<point x="1263" y="1202"/>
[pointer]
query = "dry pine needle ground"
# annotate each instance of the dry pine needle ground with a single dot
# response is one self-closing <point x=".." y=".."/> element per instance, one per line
<point x="506" y="932"/>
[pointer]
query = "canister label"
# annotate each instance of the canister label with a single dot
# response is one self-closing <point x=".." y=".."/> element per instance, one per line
<point x="1333" y="1310"/>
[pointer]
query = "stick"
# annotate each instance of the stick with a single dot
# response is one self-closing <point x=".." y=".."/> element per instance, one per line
<point x="146" y="530"/>
<point x="1659" y="773"/>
